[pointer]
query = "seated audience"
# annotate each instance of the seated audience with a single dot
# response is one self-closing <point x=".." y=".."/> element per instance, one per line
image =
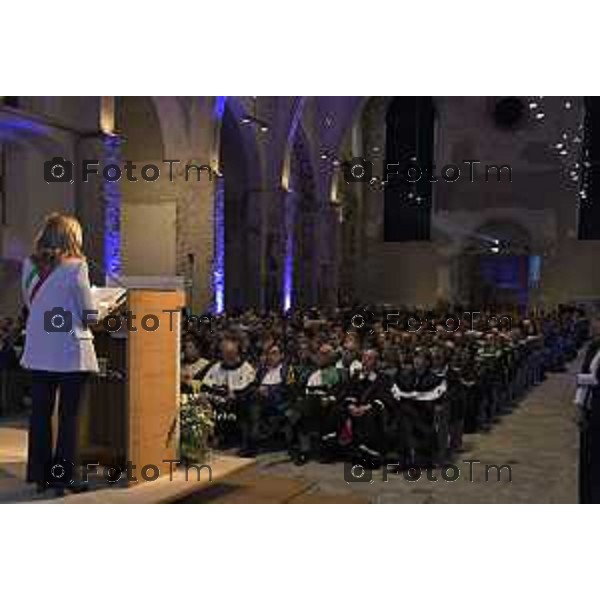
<point x="349" y="361"/>
<point x="193" y="365"/>
<point x="419" y="388"/>
<point x="229" y="384"/>
<point x="9" y="346"/>
<point x="267" y="407"/>
<point x="365" y="401"/>
<point x="316" y="422"/>
<point x="420" y="399"/>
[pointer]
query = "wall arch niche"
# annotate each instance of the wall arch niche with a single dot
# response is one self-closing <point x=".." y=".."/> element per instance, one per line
<point x="149" y="208"/>
<point x="27" y="199"/>
<point x="25" y="145"/>
<point x="390" y="231"/>
<point x="499" y="266"/>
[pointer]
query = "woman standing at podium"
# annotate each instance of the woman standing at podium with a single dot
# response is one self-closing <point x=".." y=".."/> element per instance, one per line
<point x="59" y="348"/>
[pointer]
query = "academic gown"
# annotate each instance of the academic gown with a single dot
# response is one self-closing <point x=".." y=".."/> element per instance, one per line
<point x="588" y="400"/>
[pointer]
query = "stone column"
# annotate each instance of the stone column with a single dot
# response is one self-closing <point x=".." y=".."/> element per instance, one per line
<point x="195" y="234"/>
<point x="92" y="201"/>
<point x="330" y="256"/>
<point x="266" y="247"/>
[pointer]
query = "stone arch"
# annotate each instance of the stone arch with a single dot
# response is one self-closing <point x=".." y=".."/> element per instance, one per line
<point x="142" y="120"/>
<point x="365" y="135"/>
<point x="494" y="266"/>
<point x="297" y="113"/>
<point x="536" y="229"/>
<point x="513" y="236"/>
<point x="28" y="145"/>
<point x="361" y="108"/>
<point x="148" y="208"/>
<point x="247" y="140"/>
<point x="170" y="117"/>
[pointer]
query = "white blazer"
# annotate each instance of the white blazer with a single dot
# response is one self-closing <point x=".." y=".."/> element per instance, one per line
<point x="67" y="288"/>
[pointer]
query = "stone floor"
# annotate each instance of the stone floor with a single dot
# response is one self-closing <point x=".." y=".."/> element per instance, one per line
<point x="538" y="440"/>
<point x="13" y="456"/>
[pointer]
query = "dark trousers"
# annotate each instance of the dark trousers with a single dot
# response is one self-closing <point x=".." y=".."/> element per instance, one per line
<point x="424" y="431"/>
<point x="262" y="418"/>
<point x="368" y="429"/>
<point x="45" y="387"/>
<point x="456" y="419"/>
<point x="589" y="453"/>
<point x="316" y="419"/>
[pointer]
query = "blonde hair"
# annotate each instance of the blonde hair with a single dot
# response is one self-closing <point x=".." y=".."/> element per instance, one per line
<point x="60" y="237"/>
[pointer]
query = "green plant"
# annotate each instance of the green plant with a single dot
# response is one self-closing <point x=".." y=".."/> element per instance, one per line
<point x="196" y="427"/>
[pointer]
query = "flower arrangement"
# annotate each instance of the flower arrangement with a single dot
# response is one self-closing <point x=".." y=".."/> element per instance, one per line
<point x="196" y="427"/>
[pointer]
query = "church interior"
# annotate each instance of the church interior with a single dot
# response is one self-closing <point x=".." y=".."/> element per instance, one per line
<point x="400" y="280"/>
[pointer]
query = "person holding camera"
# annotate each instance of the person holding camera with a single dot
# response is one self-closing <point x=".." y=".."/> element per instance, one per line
<point x="59" y="348"/>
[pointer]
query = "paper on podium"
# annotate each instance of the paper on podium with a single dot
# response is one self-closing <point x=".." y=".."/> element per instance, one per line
<point x="108" y="299"/>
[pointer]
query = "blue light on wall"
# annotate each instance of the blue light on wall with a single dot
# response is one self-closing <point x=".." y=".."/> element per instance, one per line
<point x="220" y="106"/>
<point x="507" y="273"/>
<point x="288" y="264"/>
<point x="218" y="274"/>
<point x="112" y="215"/>
<point x="16" y="126"/>
<point x="290" y="211"/>
<point x="535" y="270"/>
<point x="219" y="250"/>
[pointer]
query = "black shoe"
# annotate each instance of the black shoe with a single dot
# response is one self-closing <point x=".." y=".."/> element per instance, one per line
<point x="78" y="488"/>
<point x="58" y="491"/>
<point x="248" y="452"/>
<point x="300" y="459"/>
<point x="371" y="457"/>
<point x="41" y="488"/>
<point x="326" y="458"/>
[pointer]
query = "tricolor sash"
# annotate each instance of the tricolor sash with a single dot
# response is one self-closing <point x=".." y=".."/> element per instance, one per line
<point x="35" y="279"/>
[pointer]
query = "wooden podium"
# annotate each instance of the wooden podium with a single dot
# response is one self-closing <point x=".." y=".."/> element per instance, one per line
<point x="132" y="407"/>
